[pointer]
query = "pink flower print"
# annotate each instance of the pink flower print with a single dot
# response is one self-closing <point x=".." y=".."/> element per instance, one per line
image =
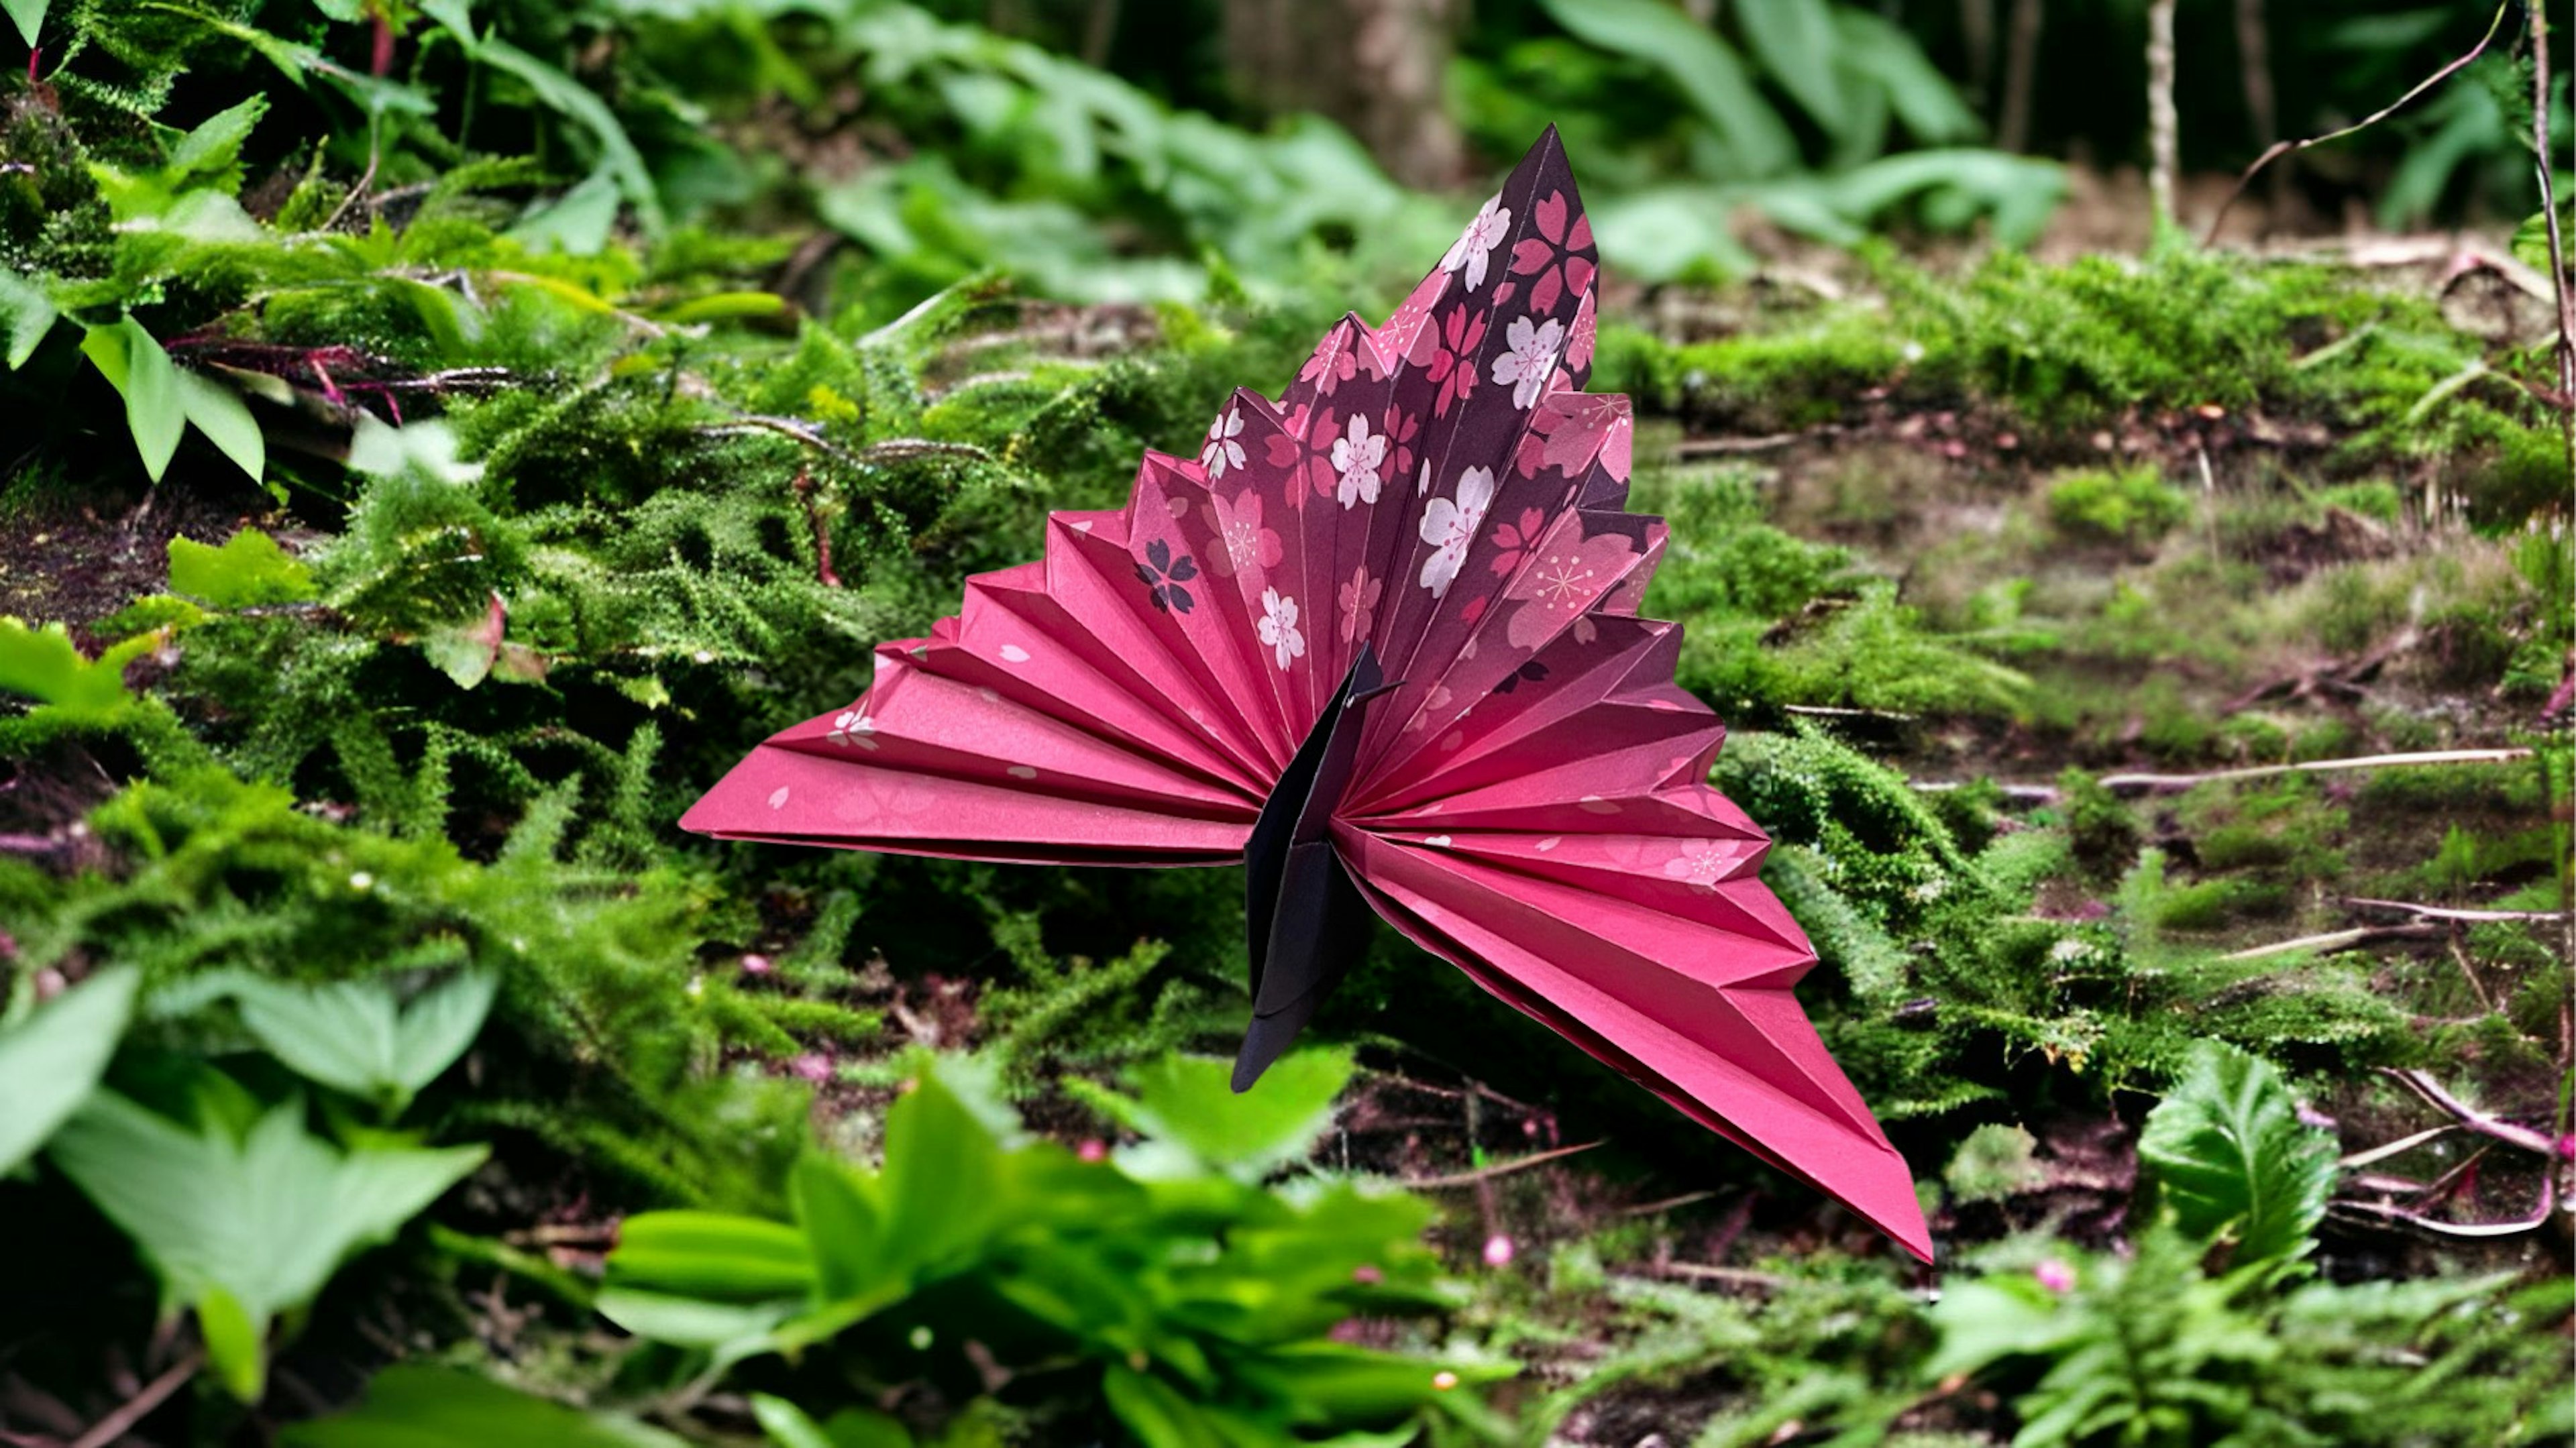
<point x="1410" y="324"/>
<point x="1551" y="255"/>
<point x="1241" y="540"/>
<point x="1492" y="223"/>
<point x="1359" y="461"/>
<point x="1579" y="342"/>
<point x="1437" y="700"/>
<point x="1278" y="627"/>
<point x="1581" y="427"/>
<point x="1359" y="603"/>
<point x="1531" y="360"/>
<point x="1454" y="365"/>
<point x="1701" y="864"/>
<point x="1514" y="539"/>
<point x="1223" y="453"/>
<point x="1449" y="526"/>
<point x="1401" y="429"/>
<point x="1560" y="584"/>
<point x="1332" y="363"/>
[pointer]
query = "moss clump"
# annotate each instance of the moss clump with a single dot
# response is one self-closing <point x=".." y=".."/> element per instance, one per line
<point x="2128" y="506"/>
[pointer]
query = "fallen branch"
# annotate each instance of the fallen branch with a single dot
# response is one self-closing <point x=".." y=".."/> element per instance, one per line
<point x="2444" y="912"/>
<point x="2469" y="1117"/>
<point x="2135" y="784"/>
<point x="1732" y="1276"/>
<point x="1500" y="1168"/>
<point x="2338" y="940"/>
<point x="116" y="1425"/>
<point x="2473" y="1230"/>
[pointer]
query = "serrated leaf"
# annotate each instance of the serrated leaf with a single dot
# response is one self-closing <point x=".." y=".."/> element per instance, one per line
<point x="225" y="419"/>
<point x="1188" y="1102"/>
<point x="428" y="1407"/>
<point x="250" y="569"/>
<point x="2230" y="1156"/>
<point x="354" y="1036"/>
<point x="44" y="665"/>
<point x="50" y="1061"/>
<point x="134" y="364"/>
<point x="26" y="315"/>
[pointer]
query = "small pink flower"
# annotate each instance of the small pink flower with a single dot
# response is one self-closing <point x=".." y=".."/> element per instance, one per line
<point x="1092" y="1149"/>
<point x="1498" y="1251"/>
<point x="1444" y="1380"/>
<point x="813" y="1067"/>
<point x="757" y="965"/>
<point x="1367" y="1274"/>
<point x="2055" y="1275"/>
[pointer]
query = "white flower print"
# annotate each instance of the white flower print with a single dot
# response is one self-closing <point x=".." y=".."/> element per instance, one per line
<point x="1423" y="484"/>
<point x="1478" y="241"/>
<point x="1223" y="454"/>
<point x="1449" y="526"/>
<point x="1278" y="627"/>
<point x="853" y="727"/>
<point x="1357" y="456"/>
<point x="1531" y="360"/>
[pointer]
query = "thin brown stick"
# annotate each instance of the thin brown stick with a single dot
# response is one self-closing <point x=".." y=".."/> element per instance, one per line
<point x="2278" y="149"/>
<point x="117" y="1424"/>
<point x="2021" y="76"/>
<point x="2165" y="783"/>
<point x="2338" y="940"/>
<point x="2515" y="1228"/>
<point x="2164" y="124"/>
<point x="1500" y="1168"/>
<point x="2444" y="912"/>
<point x="2399" y="1147"/>
<point x="1732" y="1276"/>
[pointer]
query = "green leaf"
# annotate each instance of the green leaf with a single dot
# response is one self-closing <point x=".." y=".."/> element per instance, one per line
<point x="1795" y="42"/>
<point x="354" y="1036"/>
<point x="789" y="1426"/>
<point x="576" y="223"/>
<point x="2230" y="1155"/>
<point x="136" y="366"/>
<point x="840" y="1221"/>
<point x="28" y="15"/>
<point x="263" y="1219"/>
<point x="1707" y="71"/>
<point x="212" y="151"/>
<point x="427" y="1407"/>
<point x="236" y="1345"/>
<point x="560" y="92"/>
<point x="247" y="571"/>
<point x="721" y="1327"/>
<point x="712" y="1254"/>
<point x="942" y="1178"/>
<point x="26" y="313"/>
<point x="50" y="1060"/>
<point x="44" y="665"/>
<point x="225" y="419"/>
<point x="1187" y="1102"/>
<point x="1155" y="1411"/>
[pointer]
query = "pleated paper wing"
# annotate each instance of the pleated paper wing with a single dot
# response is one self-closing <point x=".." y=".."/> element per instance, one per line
<point x="1438" y="502"/>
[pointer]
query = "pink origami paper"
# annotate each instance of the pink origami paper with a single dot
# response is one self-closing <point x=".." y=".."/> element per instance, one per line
<point x="1380" y="639"/>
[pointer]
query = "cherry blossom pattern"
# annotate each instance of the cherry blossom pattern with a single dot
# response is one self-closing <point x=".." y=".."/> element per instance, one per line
<point x="1242" y="541"/>
<point x="1558" y="585"/>
<point x="1223" y="454"/>
<point x="1411" y="321"/>
<point x="1163" y="575"/>
<point x="1278" y="627"/>
<point x="1492" y="223"/>
<point x="1359" y="603"/>
<point x="1453" y="357"/>
<point x="1530" y="360"/>
<point x="1579" y="342"/>
<point x="1552" y="257"/>
<point x="1572" y="430"/>
<point x="1333" y="363"/>
<point x="1449" y="525"/>
<point x="1513" y="540"/>
<point x="1359" y="461"/>
<point x="1701" y="864"/>
<point x="853" y="727"/>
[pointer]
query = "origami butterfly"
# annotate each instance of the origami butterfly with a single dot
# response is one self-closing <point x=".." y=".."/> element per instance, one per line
<point x="1379" y="641"/>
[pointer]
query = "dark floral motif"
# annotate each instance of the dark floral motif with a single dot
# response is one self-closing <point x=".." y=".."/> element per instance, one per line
<point x="1533" y="670"/>
<point x="1163" y="575"/>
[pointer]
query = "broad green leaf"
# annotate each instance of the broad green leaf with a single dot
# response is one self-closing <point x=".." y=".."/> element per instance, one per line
<point x="1795" y="42"/>
<point x="137" y="367"/>
<point x="1879" y="50"/>
<point x="26" y="315"/>
<point x="212" y="151"/>
<point x="2230" y="1156"/>
<point x="354" y="1036"/>
<point x="263" y="1219"/>
<point x="28" y="15"/>
<point x="51" y="1060"/>
<point x="1707" y="71"/>
<point x="225" y="419"/>
<point x="247" y="571"/>
<point x="942" y="1177"/>
<point x="44" y="665"/>
<point x="790" y="1426"/>
<point x="1187" y="1102"/>
<point x="1155" y="1411"/>
<point x="560" y="92"/>
<point x="841" y="1224"/>
<point x="691" y="1321"/>
<point x="711" y="1254"/>
<point x="577" y="223"/>
<point x="426" y="1407"/>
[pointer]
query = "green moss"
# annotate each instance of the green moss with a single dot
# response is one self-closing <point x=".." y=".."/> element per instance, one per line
<point x="2127" y="506"/>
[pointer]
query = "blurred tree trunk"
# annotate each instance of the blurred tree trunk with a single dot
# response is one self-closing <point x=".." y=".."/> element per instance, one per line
<point x="2163" y="124"/>
<point x="1376" y="66"/>
<point x="2021" y="75"/>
